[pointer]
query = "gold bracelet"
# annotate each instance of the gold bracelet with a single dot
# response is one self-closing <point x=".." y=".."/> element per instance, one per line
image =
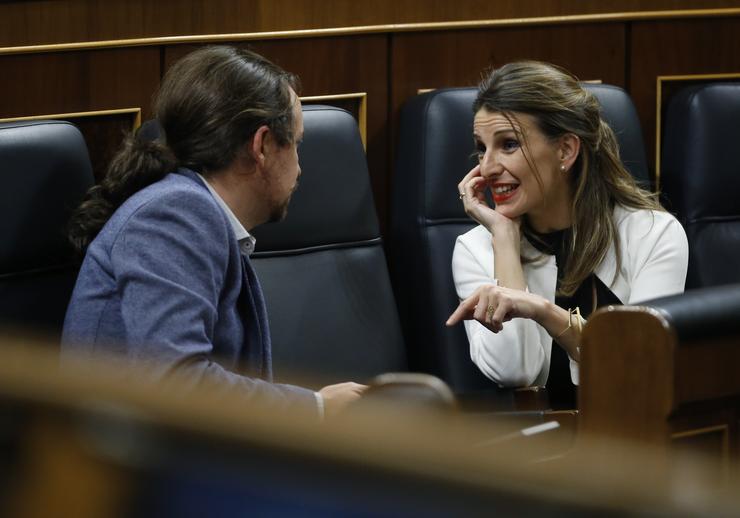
<point x="576" y="312"/>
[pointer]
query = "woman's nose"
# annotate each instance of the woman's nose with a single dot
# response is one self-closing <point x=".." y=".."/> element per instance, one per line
<point x="490" y="166"/>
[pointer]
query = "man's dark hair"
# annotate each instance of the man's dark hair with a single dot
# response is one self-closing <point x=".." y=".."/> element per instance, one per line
<point x="210" y="104"/>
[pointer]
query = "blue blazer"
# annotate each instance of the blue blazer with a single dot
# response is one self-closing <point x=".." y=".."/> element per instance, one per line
<point x="164" y="284"/>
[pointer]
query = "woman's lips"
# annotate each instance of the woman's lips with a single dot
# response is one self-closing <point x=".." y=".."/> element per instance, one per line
<point x="503" y="192"/>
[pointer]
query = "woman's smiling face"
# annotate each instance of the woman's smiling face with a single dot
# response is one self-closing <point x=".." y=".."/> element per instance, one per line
<point x="513" y="152"/>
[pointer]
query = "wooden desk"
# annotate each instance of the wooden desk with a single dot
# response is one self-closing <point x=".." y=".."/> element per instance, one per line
<point x="641" y="382"/>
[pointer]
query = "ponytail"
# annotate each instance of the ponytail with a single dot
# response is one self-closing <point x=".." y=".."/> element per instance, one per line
<point x="137" y="164"/>
<point x="210" y="103"/>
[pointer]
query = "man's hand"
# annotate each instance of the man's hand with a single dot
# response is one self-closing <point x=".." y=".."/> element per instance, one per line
<point x="336" y="397"/>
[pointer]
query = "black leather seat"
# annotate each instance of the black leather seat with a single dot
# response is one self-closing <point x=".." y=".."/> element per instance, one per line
<point x="45" y="173"/>
<point x="331" y="308"/>
<point x="435" y="149"/>
<point x="702" y="314"/>
<point x="332" y="312"/>
<point x="700" y="178"/>
<point x="619" y="111"/>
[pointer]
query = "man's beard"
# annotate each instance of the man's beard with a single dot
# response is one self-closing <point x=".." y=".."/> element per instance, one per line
<point x="279" y="212"/>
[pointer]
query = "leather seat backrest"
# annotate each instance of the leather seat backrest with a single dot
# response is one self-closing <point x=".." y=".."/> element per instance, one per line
<point x="700" y="178"/>
<point x="434" y="151"/>
<point x="332" y="312"/>
<point x="46" y="172"/>
<point x="702" y="314"/>
<point x="619" y="111"/>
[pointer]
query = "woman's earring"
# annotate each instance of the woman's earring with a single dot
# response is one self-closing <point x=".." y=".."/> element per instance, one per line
<point x="562" y="168"/>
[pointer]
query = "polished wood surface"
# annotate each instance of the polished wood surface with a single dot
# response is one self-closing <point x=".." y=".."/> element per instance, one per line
<point x="626" y="387"/>
<point x="708" y="46"/>
<point x="103" y="136"/>
<point x="78" y="81"/>
<point x="36" y="22"/>
<point x="640" y="382"/>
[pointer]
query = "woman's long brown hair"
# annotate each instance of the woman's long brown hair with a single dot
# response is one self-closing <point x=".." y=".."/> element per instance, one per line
<point x="560" y="105"/>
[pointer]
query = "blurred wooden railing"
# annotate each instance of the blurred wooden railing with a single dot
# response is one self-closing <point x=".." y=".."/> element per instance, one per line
<point x="81" y="442"/>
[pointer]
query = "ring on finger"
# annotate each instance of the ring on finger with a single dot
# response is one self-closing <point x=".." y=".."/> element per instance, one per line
<point x="489" y="312"/>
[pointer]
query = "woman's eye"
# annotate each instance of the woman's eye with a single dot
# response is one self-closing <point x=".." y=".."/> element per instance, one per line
<point x="510" y="144"/>
<point x="480" y="151"/>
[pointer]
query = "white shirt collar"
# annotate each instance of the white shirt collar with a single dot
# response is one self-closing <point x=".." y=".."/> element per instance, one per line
<point x="243" y="237"/>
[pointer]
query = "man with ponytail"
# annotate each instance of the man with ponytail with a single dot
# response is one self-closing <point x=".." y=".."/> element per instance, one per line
<point x="166" y="280"/>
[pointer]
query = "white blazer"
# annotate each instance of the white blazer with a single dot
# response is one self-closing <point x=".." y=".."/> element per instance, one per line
<point x="654" y="252"/>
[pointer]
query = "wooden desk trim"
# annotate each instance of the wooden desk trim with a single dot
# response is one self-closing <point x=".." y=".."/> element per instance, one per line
<point x="628" y="16"/>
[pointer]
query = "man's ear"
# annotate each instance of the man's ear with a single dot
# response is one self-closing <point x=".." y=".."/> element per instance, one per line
<point x="259" y="144"/>
<point x="570" y="146"/>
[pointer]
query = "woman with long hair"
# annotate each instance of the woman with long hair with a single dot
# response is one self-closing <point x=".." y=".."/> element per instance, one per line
<point x="570" y="230"/>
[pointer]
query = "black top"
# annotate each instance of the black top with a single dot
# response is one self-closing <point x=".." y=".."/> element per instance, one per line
<point x="590" y="295"/>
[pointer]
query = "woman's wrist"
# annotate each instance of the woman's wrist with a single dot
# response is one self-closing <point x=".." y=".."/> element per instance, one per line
<point x="568" y="334"/>
<point x="506" y="246"/>
<point x="553" y="318"/>
<point x="546" y="313"/>
<point x="507" y="233"/>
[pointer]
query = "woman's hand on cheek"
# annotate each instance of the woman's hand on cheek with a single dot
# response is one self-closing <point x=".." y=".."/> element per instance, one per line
<point x="472" y="189"/>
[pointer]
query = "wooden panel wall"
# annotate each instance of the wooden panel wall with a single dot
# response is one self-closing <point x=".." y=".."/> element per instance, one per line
<point x="33" y="22"/>
<point x="677" y="47"/>
<point x="78" y="81"/>
<point x="336" y="65"/>
<point x="83" y="81"/>
<point x="390" y="64"/>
